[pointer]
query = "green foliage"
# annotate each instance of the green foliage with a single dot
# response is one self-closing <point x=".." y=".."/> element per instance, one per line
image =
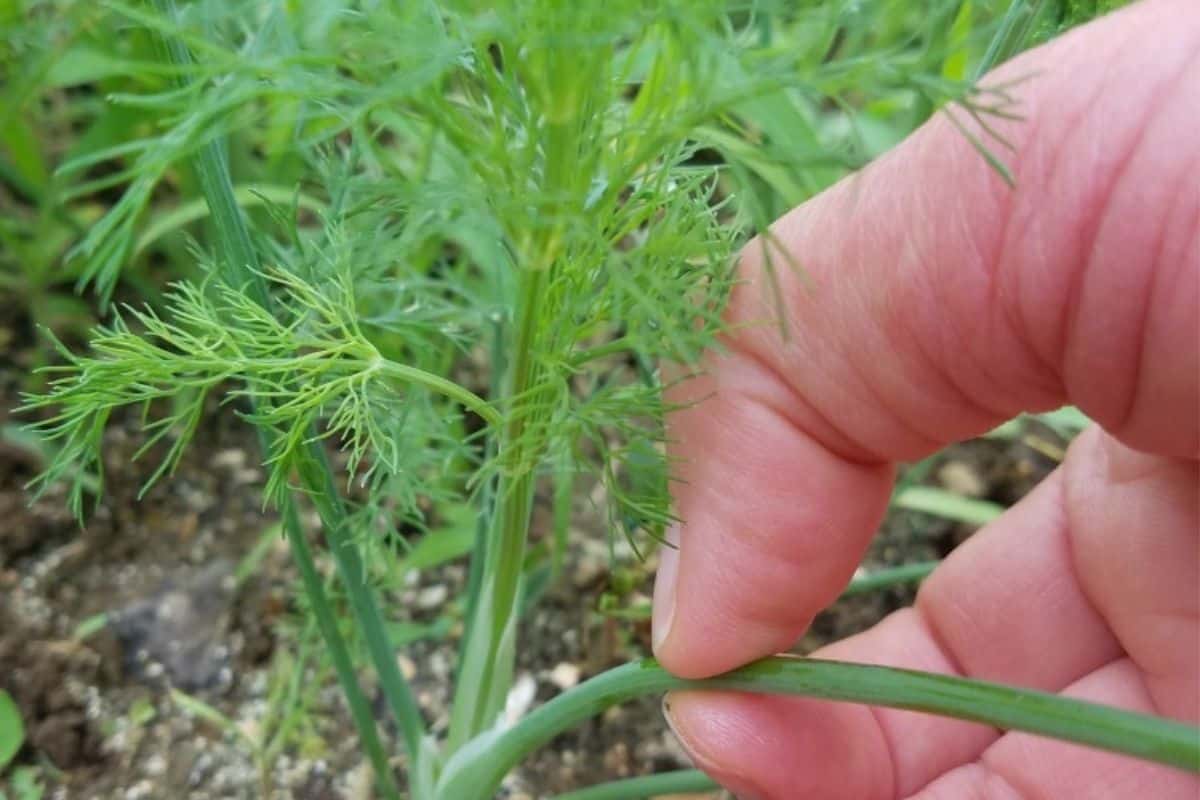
<point x="945" y="504"/>
<point x="451" y="151"/>
<point x="26" y="784"/>
<point x="315" y="360"/>
<point x="12" y="729"/>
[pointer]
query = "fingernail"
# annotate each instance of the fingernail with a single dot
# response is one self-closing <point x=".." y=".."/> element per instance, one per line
<point x="664" y="588"/>
<point x="740" y="786"/>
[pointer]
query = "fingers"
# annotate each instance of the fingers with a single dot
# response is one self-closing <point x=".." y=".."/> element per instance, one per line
<point x="971" y="619"/>
<point x="1135" y="536"/>
<point x="936" y="302"/>
<point x="1019" y="603"/>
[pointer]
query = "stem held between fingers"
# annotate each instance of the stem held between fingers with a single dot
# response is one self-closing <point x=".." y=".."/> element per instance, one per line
<point x="1009" y="708"/>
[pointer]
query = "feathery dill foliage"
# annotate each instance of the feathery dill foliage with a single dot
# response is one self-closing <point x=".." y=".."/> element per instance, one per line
<point x="457" y="151"/>
<point x="314" y="363"/>
<point x="465" y="160"/>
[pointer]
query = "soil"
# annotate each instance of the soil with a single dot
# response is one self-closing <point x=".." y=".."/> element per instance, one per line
<point x="102" y="723"/>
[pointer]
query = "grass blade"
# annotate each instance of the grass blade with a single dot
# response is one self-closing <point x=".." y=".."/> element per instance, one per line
<point x="646" y="786"/>
<point x="908" y="573"/>
<point x="940" y="503"/>
<point x="339" y="654"/>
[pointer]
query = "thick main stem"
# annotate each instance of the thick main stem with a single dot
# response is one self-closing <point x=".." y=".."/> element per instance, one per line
<point x="488" y="652"/>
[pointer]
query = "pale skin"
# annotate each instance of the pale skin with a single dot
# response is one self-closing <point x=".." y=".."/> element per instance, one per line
<point x="935" y="303"/>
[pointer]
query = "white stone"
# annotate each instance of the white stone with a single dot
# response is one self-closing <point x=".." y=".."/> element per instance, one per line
<point x="564" y="675"/>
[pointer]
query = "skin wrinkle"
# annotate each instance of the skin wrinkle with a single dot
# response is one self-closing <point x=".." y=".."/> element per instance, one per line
<point x="1153" y="677"/>
<point x="1138" y="677"/>
<point x="850" y="362"/>
<point x="867" y="378"/>
<point x="1163" y="92"/>
<point x="835" y="437"/>
<point x="856" y="452"/>
<point x="892" y="758"/>
<point x="1020" y="326"/>
<point x="982" y="788"/>
<point x="1074" y="574"/>
<point x="1139" y="357"/>
<point x="1185" y="182"/>
<point x="1058" y="486"/>
<point x="1071" y="341"/>
<point x="1134" y="696"/>
<point x="841" y="444"/>
<point x="924" y="441"/>
<point x="912" y="252"/>
<point x="984" y="255"/>
<point x="946" y="376"/>
<point x="935" y="634"/>
<point x="999" y="194"/>
<point x="1161" y="681"/>
<point x="991" y="270"/>
<point x="1087" y="590"/>
<point x="939" y="368"/>
<point x="933" y="627"/>
<point x="1012" y="783"/>
<point x="946" y="654"/>
<point x="1017" y="271"/>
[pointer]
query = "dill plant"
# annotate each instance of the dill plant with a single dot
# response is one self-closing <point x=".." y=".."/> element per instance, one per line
<point x="556" y="187"/>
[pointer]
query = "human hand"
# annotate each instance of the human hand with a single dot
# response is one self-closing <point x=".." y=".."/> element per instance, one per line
<point x="935" y="302"/>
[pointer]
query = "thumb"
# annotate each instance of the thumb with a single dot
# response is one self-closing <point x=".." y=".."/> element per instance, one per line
<point x="935" y="302"/>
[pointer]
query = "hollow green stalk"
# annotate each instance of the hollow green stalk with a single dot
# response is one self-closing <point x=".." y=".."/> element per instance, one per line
<point x="1006" y="707"/>
<point x="486" y="667"/>
<point x="488" y="654"/>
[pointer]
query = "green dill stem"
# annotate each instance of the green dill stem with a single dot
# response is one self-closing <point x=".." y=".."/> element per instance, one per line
<point x="243" y="268"/>
<point x="478" y="694"/>
<point x="1006" y="707"/>
<point x="442" y="386"/>
<point x="679" y="782"/>
<point x="488" y="655"/>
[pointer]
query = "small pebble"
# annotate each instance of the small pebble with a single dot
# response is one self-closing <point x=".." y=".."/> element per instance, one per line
<point x="520" y="698"/>
<point x="407" y="667"/>
<point x="432" y="597"/>
<point x="564" y="675"/>
<point x="962" y="479"/>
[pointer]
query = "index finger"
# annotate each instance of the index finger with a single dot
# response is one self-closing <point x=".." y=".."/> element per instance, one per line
<point x="934" y="303"/>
